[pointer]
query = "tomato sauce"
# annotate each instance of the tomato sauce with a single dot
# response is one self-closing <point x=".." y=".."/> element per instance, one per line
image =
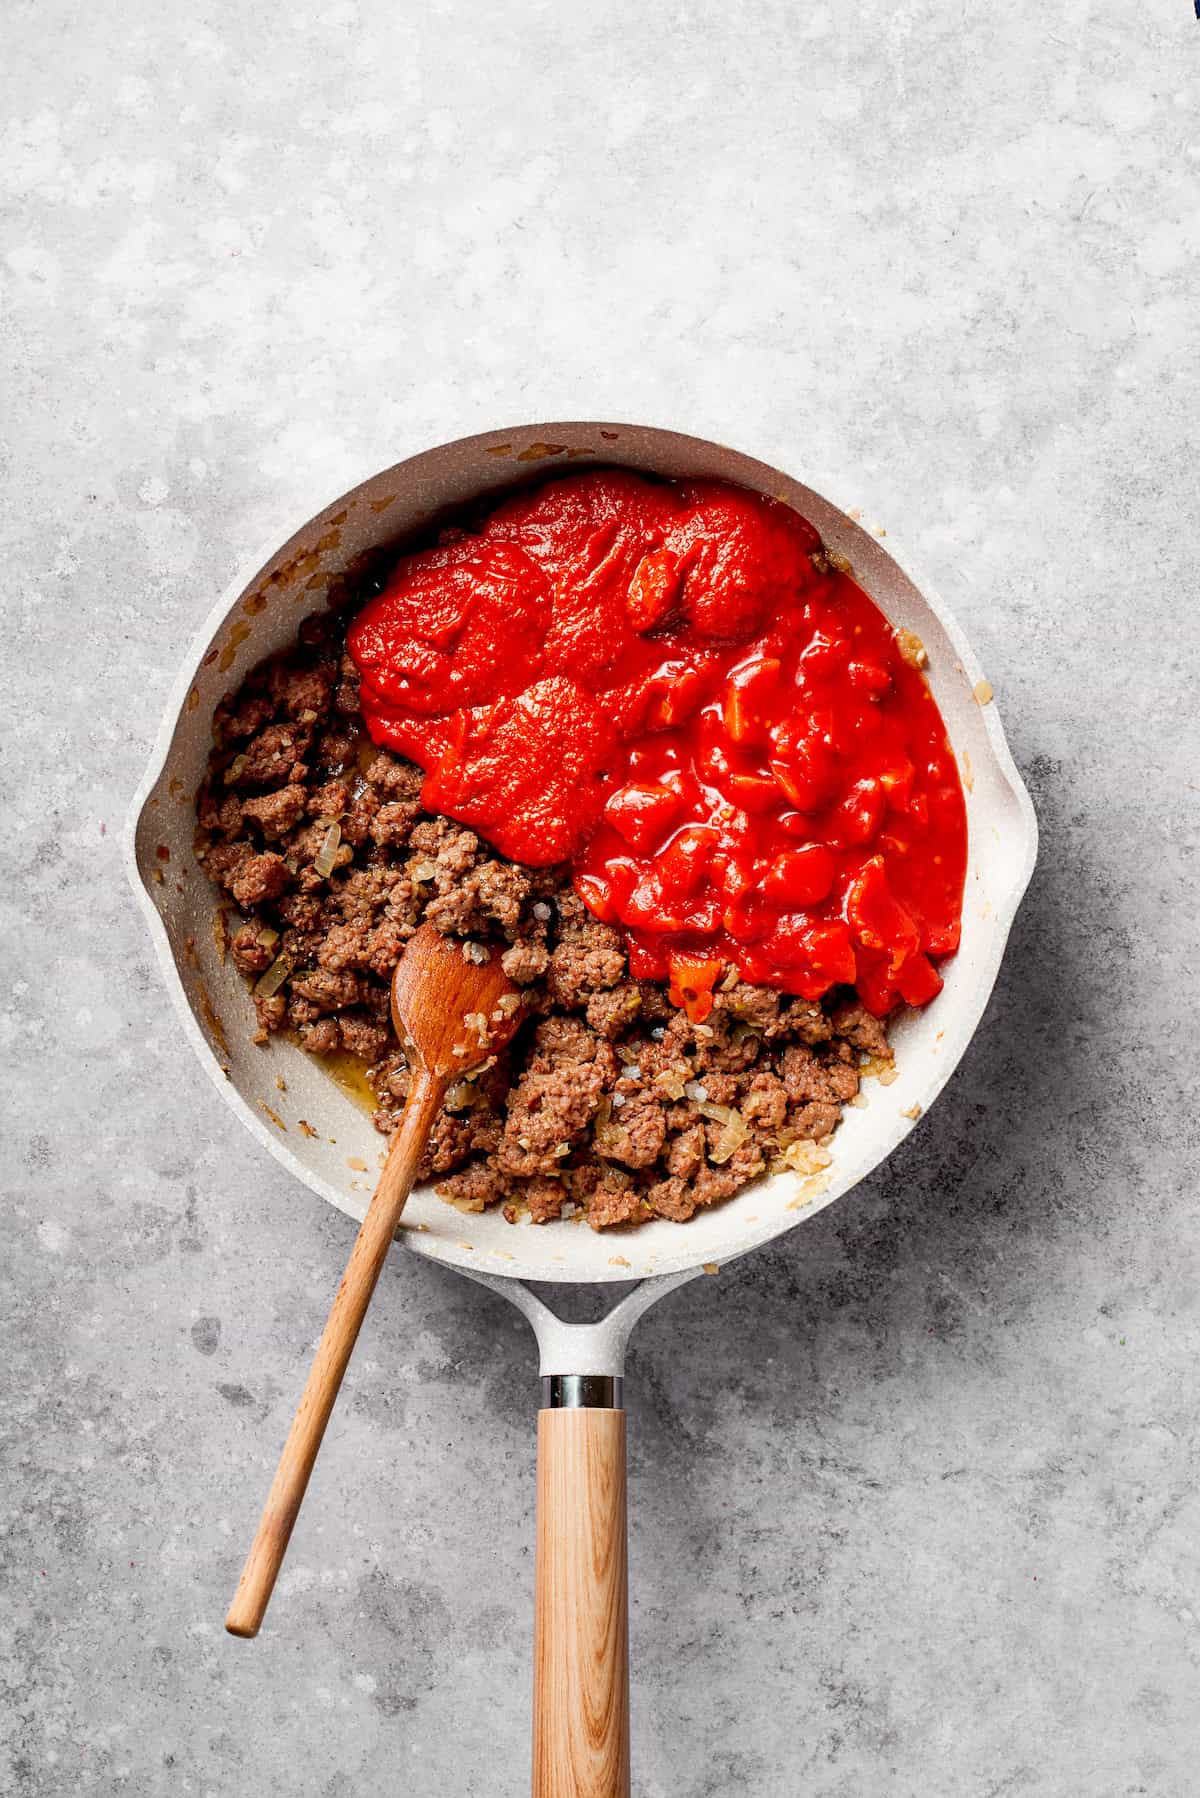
<point x="667" y="686"/>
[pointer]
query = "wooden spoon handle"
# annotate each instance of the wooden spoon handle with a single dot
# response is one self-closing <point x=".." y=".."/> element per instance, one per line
<point x="333" y="1353"/>
<point x="581" y="1623"/>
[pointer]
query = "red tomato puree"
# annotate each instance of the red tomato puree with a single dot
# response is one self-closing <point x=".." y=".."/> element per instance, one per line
<point x="667" y="686"/>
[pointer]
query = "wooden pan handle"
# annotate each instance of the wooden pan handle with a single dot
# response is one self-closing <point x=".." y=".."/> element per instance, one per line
<point x="333" y="1353"/>
<point x="581" y="1615"/>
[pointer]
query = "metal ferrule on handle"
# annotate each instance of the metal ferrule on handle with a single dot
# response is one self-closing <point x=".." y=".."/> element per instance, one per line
<point x="582" y="1392"/>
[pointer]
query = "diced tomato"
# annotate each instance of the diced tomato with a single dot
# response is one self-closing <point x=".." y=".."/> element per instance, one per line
<point x="856" y="727"/>
<point x="752" y="699"/>
<point x="873" y="985"/>
<point x="753" y="792"/>
<point x="747" y="919"/>
<point x="692" y="981"/>
<point x="653" y="590"/>
<point x="941" y="939"/>
<point x="858" y="816"/>
<point x="799" y="876"/>
<point x="714" y="761"/>
<point x="806" y="765"/>
<point x="641" y="812"/>
<point x="918" y="980"/>
<point x="755" y="967"/>
<point x="646" y="960"/>
<point x="675" y="696"/>
<point x="605" y="893"/>
<point x="645" y="905"/>
<point x="832" y="951"/>
<point x="802" y="792"/>
<point x="868" y="678"/>
<point x="736" y="873"/>
<point x="596" y="893"/>
<point x="815" y="956"/>
<point x="683" y="863"/>
<point x="809" y="732"/>
<point x="876" y="917"/>
<point x="896" y="779"/>
<point x="699" y="915"/>
<point x="826" y="654"/>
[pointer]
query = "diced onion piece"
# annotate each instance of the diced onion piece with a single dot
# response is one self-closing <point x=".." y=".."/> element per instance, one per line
<point x="274" y="977"/>
<point x="326" y="856"/>
<point x="607" y="1139"/>
<point x="911" y="648"/>
<point x="805" y="1157"/>
<point x="234" y="770"/>
<point x="736" y="1131"/>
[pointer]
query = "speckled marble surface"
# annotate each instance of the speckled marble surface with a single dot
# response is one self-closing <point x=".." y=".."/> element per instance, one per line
<point x="914" y="1493"/>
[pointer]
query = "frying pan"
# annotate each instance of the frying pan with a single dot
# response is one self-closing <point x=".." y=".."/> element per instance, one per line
<point x="580" y="1655"/>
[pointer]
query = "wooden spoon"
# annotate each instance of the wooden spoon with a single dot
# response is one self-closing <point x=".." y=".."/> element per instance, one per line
<point x="451" y="1013"/>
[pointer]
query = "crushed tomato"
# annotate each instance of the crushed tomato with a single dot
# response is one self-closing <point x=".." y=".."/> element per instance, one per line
<point x="663" y="684"/>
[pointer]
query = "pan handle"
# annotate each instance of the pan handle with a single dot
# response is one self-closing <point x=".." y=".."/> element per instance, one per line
<point x="581" y="1603"/>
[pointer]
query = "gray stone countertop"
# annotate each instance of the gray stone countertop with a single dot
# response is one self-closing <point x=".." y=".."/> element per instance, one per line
<point x="915" y="1497"/>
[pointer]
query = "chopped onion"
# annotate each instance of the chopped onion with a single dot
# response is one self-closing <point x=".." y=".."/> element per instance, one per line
<point x="694" y="1090"/>
<point x="234" y="770"/>
<point x="802" y="1157"/>
<point x="326" y="856"/>
<point x="606" y="1139"/>
<point x="274" y="977"/>
<point x="736" y="1131"/>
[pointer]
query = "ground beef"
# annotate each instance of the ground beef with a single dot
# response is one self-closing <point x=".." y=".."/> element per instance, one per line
<point x="276" y="813"/>
<point x="258" y="879"/>
<point x="598" y="1105"/>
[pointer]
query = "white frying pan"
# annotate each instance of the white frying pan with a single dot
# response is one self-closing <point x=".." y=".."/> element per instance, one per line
<point x="580" y="1697"/>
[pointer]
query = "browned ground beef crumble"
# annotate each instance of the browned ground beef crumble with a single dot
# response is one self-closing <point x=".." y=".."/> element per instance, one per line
<point x="608" y="1101"/>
